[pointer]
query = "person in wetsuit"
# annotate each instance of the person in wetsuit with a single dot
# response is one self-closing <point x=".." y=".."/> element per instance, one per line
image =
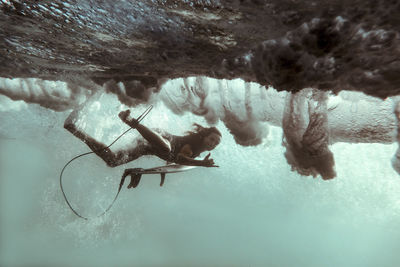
<point x="171" y="148"/>
<point x="178" y="149"/>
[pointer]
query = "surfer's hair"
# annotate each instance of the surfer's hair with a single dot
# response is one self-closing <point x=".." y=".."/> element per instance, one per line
<point x="203" y="131"/>
<point x="195" y="138"/>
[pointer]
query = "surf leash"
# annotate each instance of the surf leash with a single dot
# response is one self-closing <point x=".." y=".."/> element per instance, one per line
<point x="140" y="118"/>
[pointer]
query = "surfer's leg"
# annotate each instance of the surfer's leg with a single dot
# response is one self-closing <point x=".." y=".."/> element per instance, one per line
<point x="97" y="147"/>
<point x="111" y="158"/>
<point x="155" y="139"/>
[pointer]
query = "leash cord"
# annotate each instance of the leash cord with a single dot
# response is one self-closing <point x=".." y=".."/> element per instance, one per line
<point x="140" y="118"/>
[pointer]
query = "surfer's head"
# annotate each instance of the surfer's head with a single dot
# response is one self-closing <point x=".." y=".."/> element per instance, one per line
<point x="211" y="141"/>
<point x="209" y="137"/>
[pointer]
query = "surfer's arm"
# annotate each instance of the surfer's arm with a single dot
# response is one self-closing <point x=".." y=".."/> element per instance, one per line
<point x="155" y="140"/>
<point x="184" y="157"/>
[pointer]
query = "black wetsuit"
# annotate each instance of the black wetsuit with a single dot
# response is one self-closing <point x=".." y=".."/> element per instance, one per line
<point x="177" y="143"/>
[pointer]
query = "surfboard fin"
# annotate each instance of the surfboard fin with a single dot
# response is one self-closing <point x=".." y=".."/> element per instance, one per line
<point x="135" y="180"/>
<point x="162" y="178"/>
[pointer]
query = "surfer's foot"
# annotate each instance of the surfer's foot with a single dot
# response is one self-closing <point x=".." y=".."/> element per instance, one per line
<point x="125" y="117"/>
<point x="74" y="115"/>
<point x="69" y="122"/>
<point x="70" y="126"/>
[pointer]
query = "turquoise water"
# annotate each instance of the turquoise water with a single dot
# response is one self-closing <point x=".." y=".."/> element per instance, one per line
<point x="251" y="211"/>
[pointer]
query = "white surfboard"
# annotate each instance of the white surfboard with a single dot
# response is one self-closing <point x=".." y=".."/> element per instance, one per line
<point x="136" y="173"/>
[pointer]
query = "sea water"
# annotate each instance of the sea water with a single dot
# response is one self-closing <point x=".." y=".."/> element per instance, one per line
<point x="250" y="211"/>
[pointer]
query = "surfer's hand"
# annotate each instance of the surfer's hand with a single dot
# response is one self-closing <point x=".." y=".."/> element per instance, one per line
<point x="207" y="162"/>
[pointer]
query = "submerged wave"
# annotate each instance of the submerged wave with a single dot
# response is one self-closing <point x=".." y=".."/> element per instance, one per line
<point x="245" y="109"/>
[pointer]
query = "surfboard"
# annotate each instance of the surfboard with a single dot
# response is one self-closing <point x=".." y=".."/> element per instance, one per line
<point x="171" y="168"/>
<point x="136" y="173"/>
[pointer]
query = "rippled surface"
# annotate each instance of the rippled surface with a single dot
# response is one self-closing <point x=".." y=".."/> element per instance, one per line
<point x="329" y="45"/>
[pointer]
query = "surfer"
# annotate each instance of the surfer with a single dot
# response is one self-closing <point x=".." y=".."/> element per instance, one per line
<point x="174" y="149"/>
